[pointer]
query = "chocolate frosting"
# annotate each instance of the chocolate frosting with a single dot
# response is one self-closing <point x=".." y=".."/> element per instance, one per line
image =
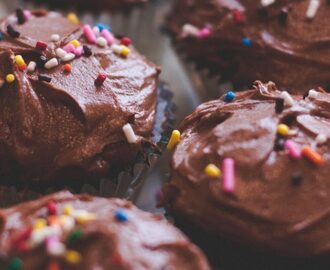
<point x="279" y="203"/>
<point x="132" y="240"/>
<point x="69" y="127"/>
<point x="286" y="47"/>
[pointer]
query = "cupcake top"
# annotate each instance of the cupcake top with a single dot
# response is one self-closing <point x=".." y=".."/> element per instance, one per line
<point x="258" y="162"/>
<point x="63" y="231"/>
<point x="279" y="40"/>
<point x="72" y="98"/>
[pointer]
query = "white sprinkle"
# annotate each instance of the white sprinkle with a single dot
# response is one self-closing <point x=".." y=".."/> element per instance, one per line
<point x="190" y="30"/>
<point x="96" y="30"/>
<point x="129" y="133"/>
<point x="101" y="41"/>
<point x="60" y="52"/>
<point x="266" y="3"/>
<point x="312" y="8"/>
<point x="68" y="57"/>
<point x="321" y="138"/>
<point x="51" y="63"/>
<point x="288" y="100"/>
<point x="312" y="93"/>
<point x="116" y="48"/>
<point x="68" y="223"/>
<point x="31" y="66"/>
<point x="55" y="37"/>
<point x="56" y="249"/>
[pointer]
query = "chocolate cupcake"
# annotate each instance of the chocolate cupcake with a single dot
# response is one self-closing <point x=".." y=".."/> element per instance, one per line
<point x="75" y="105"/>
<point x="252" y="168"/>
<point x="282" y="41"/>
<point x="63" y="231"/>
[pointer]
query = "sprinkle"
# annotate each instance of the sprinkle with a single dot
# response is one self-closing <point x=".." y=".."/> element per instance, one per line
<point x="20" y="16"/>
<point x="68" y="57"/>
<point x="87" y="50"/>
<point x="39" y="223"/>
<point x="27" y="14"/>
<point x="279" y="105"/>
<point x="10" y="78"/>
<point x="228" y="175"/>
<point x="55" y="247"/>
<point x="67" y="222"/>
<point x="313" y="156"/>
<point x="125" y="41"/>
<point x="69" y="48"/>
<point x="83" y="217"/>
<point x="67" y="68"/>
<point x="292" y="149"/>
<point x="75" y="43"/>
<point x="1" y="36"/>
<point x="41" y="61"/>
<point x="96" y="30"/>
<point x="41" y="45"/>
<point x="44" y="78"/>
<point x="266" y="3"/>
<point x="246" y="41"/>
<point x="72" y="17"/>
<point x="121" y="216"/>
<point x="53" y="266"/>
<point x="175" y="138"/>
<point x="190" y="30"/>
<point x="14" y="264"/>
<point x="108" y="36"/>
<point x="89" y="34"/>
<point x="52" y="209"/>
<point x="102" y="26"/>
<point x="12" y="32"/>
<point x="31" y="66"/>
<point x="60" y="52"/>
<point x="312" y="9"/>
<point x="100" y="79"/>
<point x="229" y="96"/>
<point x="72" y="257"/>
<point x="204" y="33"/>
<point x="129" y="133"/>
<point x="55" y="37"/>
<point x="321" y="139"/>
<point x="283" y="130"/>
<point x="51" y="63"/>
<point x="67" y="209"/>
<point x="288" y="100"/>
<point x="74" y="235"/>
<point x="212" y="170"/>
<point x="101" y="41"/>
<point x="312" y="93"/>
<point x="19" y="60"/>
<point x="79" y="51"/>
<point x="237" y="16"/>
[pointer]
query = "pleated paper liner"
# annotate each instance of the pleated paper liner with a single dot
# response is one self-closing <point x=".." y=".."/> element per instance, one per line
<point x="123" y="184"/>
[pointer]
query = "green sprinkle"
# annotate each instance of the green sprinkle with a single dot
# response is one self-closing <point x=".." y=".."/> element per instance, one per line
<point x="74" y="235"/>
<point x="15" y="264"/>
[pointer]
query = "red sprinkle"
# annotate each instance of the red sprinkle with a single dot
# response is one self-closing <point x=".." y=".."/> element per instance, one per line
<point x="100" y="79"/>
<point x="238" y="16"/>
<point x="67" y="68"/>
<point x="41" y="45"/>
<point x="52" y="209"/>
<point x="22" y="67"/>
<point x="126" y="41"/>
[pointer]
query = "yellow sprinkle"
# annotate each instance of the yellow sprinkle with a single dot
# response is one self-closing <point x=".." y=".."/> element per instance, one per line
<point x="19" y="60"/>
<point x="72" y="257"/>
<point x="10" y="78"/>
<point x="283" y="129"/>
<point x="85" y="218"/>
<point x="125" y="50"/>
<point x="72" y="17"/>
<point x="175" y="138"/>
<point x="75" y="43"/>
<point x="40" y="223"/>
<point x="67" y="209"/>
<point x="212" y="170"/>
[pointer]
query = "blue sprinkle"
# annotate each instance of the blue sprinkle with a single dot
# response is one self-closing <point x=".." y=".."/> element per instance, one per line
<point x="1" y="36"/>
<point x="102" y="26"/>
<point x="246" y="41"/>
<point x="229" y="96"/>
<point x="121" y="215"/>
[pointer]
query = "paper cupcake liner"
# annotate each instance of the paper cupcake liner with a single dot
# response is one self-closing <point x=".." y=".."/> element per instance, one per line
<point x="125" y="184"/>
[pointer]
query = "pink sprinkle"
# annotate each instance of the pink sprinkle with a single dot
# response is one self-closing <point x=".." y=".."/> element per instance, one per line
<point x="108" y="36"/>
<point x="89" y="34"/>
<point x="70" y="48"/>
<point x="27" y="14"/>
<point x="79" y="51"/>
<point x="228" y="175"/>
<point x="292" y="149"/>
<point x="204" y="33"/>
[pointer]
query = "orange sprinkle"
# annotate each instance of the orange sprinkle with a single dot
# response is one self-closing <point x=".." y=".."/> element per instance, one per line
<point x="67" y="68"/>
<point x="53" y="220"/>
<point x="22" y="67"/>
<point x="53" y="266"/>
<point x="313" y="156"/>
